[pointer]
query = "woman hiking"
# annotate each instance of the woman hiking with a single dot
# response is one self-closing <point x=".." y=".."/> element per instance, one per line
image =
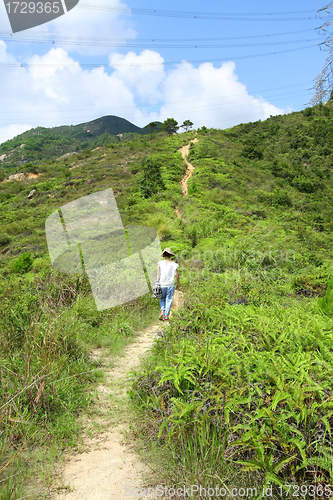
<point x="166" y="272"/>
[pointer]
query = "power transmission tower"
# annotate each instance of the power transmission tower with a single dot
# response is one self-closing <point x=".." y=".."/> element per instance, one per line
<point x="324" y="81"/>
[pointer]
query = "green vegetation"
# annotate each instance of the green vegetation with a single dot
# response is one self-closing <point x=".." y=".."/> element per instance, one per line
<point x="238" y="391"/>
<point x="153" y="127"/>
<point x="151" y="182"/>
<point x="22" y="264"/>
<point x="187" y="125"/>
<point x="48" y="320"/>
<point x="41" y="144"/>
<point x="170" y="125"/>
<point x="49" y="325"/>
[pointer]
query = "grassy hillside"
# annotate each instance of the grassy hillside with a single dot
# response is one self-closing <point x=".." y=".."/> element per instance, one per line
<point x="40" y="144"/>
<point x="48" y="321"/>
<point x="238" y="391"/>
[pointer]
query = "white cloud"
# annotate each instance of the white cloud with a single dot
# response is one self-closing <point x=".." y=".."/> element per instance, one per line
<point x="55" y="90"/>
<point x="142" y="73"/>
<point x="211" y="96"/>
<point x="85" y="23"/>
<point x="82" y="24"/>
<point x="11" y="131"/>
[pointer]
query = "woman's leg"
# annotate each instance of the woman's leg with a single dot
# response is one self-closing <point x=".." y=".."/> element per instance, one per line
<point x="168" y="301"/>
<point x="163" y="298"/>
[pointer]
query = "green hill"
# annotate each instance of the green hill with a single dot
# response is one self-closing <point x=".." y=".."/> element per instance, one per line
<point x="40" y="144"/>
<point x="240" y="386"/>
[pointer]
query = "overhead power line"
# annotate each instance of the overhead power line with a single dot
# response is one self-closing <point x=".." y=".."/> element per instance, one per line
<point x="214" y="16"/>
<point x="156" y="44"/>
<point x="164" y="63"/>
<point x="49" y="38"/>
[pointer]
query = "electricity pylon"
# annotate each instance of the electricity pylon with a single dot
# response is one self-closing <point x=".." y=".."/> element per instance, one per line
<point x="324" y="81"/>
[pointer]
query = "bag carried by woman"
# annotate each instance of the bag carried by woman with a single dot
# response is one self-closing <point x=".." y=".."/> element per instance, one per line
<point x="157" y="290"/>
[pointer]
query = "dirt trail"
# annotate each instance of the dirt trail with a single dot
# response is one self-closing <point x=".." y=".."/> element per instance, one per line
<point x="184" y="152"/>
<point x="184" y="182"/>
<point x="108" y="463"/>
<point x="178" y="212"/>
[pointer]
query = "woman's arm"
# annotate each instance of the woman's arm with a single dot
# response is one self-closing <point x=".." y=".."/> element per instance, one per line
<point x="177" y="276"/>
<point x="158" y="272"/>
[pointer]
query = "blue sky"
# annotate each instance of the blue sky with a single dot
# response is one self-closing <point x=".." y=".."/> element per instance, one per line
<point x="191" y="60"/>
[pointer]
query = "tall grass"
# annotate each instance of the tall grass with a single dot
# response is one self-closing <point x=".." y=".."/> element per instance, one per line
<point x="48" y="327"/>
<point x="243" y="392"/>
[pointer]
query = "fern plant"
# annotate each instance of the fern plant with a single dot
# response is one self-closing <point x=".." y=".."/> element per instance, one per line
<point x="325" y="303"/>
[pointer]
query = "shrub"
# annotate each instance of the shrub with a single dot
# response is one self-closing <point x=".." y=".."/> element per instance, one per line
<point x="305" y="185"/>
<point x="193" y="188"/>
<point x="4" y="240"/>
<point x="308" y="112"/>
<point x="132" y="200"/>
<point x="252" y="153"/>
<point x="280" y="197"/>
<point x="86" y="153"/>
<point x="30" y="168"/>
<point x="203" y="130"/>
<point x="22" y="264"/>
<point x="282" y="170"/>
<point x="151" y="182"/>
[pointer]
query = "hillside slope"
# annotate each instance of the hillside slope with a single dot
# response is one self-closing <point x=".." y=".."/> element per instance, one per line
<point x="44" y="143"/>
<point x="253" y="238"/>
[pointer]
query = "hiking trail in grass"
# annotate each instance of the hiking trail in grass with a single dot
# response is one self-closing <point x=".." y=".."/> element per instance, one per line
<point x="184" y="151"/>
<point x="108" y="462"/>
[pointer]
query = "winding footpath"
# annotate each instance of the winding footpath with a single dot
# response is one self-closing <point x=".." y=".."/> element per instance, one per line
<point x="107" y="463"/>
<point x="184" y="151"/>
